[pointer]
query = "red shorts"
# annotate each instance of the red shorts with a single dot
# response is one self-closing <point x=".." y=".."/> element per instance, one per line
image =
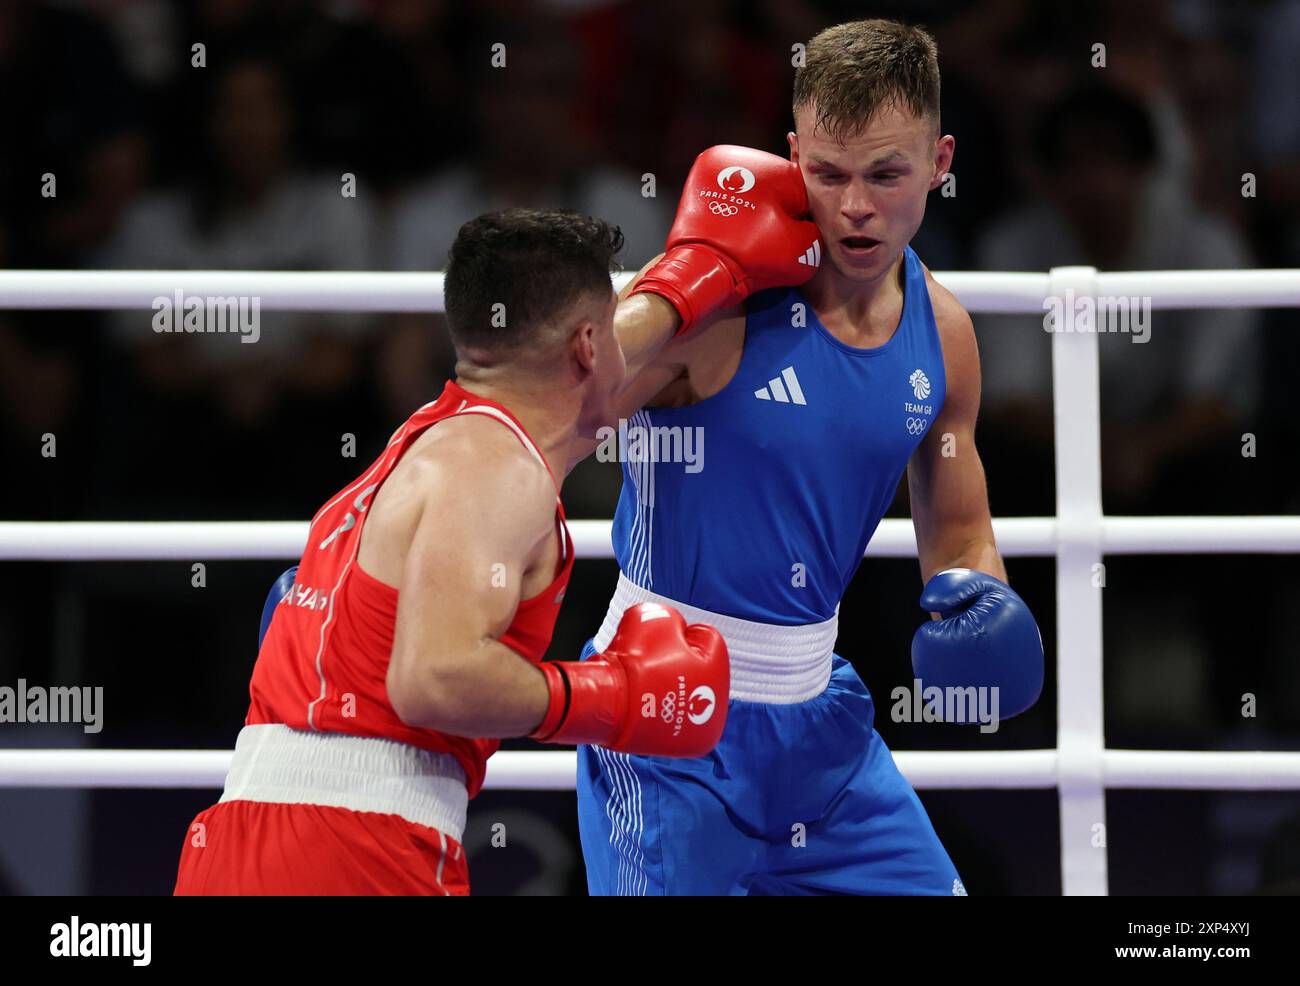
<point x="265" y="848"/>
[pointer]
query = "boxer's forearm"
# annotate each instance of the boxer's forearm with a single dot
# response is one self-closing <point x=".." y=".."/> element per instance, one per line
<point x="487" y="691"/>
<point x="644" y="324"/>
<point x="979" y="553"/>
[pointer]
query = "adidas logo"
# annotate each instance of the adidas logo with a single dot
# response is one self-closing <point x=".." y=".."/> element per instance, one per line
<point x="783" y="393"/>
<point x="813" y="258"/>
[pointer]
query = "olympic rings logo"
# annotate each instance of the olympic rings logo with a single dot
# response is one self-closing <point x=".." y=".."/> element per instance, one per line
<point x="916" y="425"/>
<point x="722" y="209"/>
<point x="668" y="707"/>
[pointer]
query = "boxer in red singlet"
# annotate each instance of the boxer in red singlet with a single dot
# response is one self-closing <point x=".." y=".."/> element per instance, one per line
<point x="428" y="590"/>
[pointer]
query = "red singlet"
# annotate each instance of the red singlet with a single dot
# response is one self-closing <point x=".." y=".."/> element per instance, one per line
<point x="329" y="791"/>
<point x="324" y="663"/>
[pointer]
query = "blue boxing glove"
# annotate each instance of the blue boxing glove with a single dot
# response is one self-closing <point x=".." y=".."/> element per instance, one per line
<point x="987" y="638"/>
<point x="278" y="591"/>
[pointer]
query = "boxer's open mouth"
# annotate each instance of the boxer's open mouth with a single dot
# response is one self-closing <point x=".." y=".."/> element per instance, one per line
<point x="859" y="247"/>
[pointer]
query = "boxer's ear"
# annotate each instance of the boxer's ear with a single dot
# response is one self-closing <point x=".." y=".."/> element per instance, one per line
<point x="944" y="148"/>
<point x="583" y="346"/>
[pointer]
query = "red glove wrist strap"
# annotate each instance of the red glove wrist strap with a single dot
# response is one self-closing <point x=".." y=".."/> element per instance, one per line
<point x="588" y="702"/>
<point x="693" y="279"/>
<point x="561" y="696"/>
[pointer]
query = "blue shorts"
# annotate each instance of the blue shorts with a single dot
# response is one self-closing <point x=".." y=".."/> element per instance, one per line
<point x="796" y="799"/>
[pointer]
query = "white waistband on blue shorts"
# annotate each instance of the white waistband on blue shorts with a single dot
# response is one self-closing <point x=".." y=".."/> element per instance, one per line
<point x="779" y="665"/>
<point x="277" y="764"/>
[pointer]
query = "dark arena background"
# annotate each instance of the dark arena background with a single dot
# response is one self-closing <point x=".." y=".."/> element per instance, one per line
<point x="358" y="135"/>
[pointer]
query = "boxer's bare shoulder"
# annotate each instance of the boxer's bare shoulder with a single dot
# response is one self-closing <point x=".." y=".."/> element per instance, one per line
<point x="957" y="337"/>
<point x="948" y="311"/>
<point x="473" y="473"/>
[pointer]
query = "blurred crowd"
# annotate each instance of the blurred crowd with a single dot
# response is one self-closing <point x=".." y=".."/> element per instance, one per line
<point x="360" y="134"/>
<point x="300" y="135"/>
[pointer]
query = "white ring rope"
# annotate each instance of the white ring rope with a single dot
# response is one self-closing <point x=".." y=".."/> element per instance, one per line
<point x="550" y="770"/>
<point x="1018" y="537"/>
<point x="1081" y="768"/>
<point x="1008" y="293"/>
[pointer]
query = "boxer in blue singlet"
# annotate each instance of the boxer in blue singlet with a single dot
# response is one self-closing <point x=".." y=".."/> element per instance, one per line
<point x="767" y="450"/>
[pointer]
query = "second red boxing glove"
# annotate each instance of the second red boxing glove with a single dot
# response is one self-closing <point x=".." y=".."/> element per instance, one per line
<point x="659" y="689"/>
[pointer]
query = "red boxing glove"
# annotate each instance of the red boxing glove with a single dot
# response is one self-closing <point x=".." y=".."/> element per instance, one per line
<point x="738" y="230"/>
<point x="659" y="689"/>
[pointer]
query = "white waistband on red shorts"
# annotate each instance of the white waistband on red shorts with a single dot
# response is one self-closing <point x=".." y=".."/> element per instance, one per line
<point x="277" y="764"/>
<point x="779" y="665"/>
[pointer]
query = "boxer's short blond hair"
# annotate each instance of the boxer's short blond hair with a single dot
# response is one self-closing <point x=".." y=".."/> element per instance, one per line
<point x="853" y="71"/>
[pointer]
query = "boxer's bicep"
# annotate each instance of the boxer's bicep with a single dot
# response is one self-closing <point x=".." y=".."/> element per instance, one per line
<point x="946" y="483"/>
<point x="463" y="576"/>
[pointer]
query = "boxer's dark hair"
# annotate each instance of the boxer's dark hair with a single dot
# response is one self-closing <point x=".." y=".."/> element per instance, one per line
<point x="534" y="264"/>
<point x="853" y="71"/>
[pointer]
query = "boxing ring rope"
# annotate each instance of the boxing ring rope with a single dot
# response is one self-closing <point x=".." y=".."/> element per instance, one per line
<point x="1023" y="537"/>
<point x="982" y="292"/>
<point x="1081" y="768"/>
<point x="547" y="770"/>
